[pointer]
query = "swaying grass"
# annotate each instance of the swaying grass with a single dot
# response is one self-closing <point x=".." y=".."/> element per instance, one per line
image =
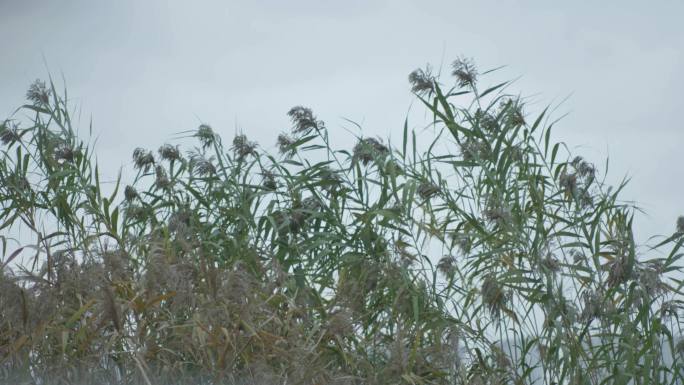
<point x="494" y="256"/>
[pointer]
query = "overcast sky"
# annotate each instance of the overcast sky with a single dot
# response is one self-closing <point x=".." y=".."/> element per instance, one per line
<point x="146" y="70"/>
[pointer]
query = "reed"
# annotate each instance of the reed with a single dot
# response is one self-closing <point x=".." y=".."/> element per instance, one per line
<point x="491" y="255"/>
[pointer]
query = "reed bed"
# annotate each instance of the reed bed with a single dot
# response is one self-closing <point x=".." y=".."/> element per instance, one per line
<point x="488" y="255"/>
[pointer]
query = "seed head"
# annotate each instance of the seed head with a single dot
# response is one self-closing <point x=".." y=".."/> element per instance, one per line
<point x="680" y="224"/>
<point x="427" y="190"/>
<point x="162" y="180"/>
<point x="498" y="214"/>
<point x="143" y="159"/>
<point x="284" y="144"/>
<point x="269" y="180"/>
<point x="669" y="309"/>
<point x="130" y="193"/>
<point x="206" y="135"/>
<point x="136" y="212"/>
<point x="577" y="256"/>
<point x="650" y="280"/>
<point x="169" y="152"/>
<point x="340" y="323"/>
<point x="64" y="152"/>
<point x="179" y="220"/>
<point x="243" y="147"/>
<point x="486" y="121"/>
<point x="502" y="361"/>
<point x="201" y="166"/>
<point x="474" y="150"/>
<point x="551" y="263"/>
<point x="331" y="178"/>
<point x="618" y="271"/>
<point x="401" y="250"/>
<point x="584" y="169"/>
<point x="568" y="182"/>
<point x="301" y="212"/>
<point x="38" y="93"/>
<point x="311" y="204"/>
<point x="19" y="182"/>
<point x="493" y="295"/>
<point x="585" y="198"/>
<point x="463" y="241"/>
<point x="303" y="120"/>
<point x="9" y="135"/>
<point x="465" y="72"/>
<point x="513" y="111"/>
<point x="422" y="81"/>
<point x="592" y="305"/>
<point x="447" y="265"/>
<point x="368" y="149"/>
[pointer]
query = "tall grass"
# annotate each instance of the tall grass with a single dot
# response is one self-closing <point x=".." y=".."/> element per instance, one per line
<point x="492" y="256"/>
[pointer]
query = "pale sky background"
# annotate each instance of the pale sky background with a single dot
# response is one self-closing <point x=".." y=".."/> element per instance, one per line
<point x="146" y="70"/>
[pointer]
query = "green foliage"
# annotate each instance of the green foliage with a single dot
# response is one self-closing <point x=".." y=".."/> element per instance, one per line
<point x="491" y="257"/>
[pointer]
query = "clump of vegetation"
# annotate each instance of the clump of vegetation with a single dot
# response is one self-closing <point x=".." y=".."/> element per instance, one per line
<point x="493" y="256"/>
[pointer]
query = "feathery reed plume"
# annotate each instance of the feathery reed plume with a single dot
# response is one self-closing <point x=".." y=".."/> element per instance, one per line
<point x="286" y="145"/>
<point x="143" y="159"/>
<point x="169" y="153"/>
<point x="9" y="133"/>
<point x="368" y="149"/>
<point x="205" y="134"/>
<point x="38" y="93"/>
<point x="422" y="81"/>
<point x="303" y="120"/>
<point x="465" y="72"/>
<point x="243" y="147"/>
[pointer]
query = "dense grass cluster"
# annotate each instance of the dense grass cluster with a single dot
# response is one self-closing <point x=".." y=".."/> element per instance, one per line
<point x="490" y="255"/>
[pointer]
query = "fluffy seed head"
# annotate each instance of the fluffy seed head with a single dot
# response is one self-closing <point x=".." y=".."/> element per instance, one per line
<point x="568" y="182"/>
<point x="618" y="271"/>
<point x="427" y="190"/>
<point x="592" y="305"/>
<point x="340" y="323"/>
<point x="243" y="147"/>
<point x="462" y="241"/>
<point x="64" y="152"/>
<point x="650" y="279"/>
<point x="329" y="179"/>
<point x="584" y="169"/>
<point x="169" y="152"/>
<point x="465" y="72"/>
<point x="136" y="212"/>
<point x="368" y="149"/>
<point x="206" y="135"/>
<point x="9" y="134"/>
<point x="422" y="81"/>
<point x="474" y="150"/>
<point x="493" y="295"/>
<point x="130" y="193"/>
<point x="162" y="180"/>
<point x="303" y="120"/>
<point x="447" y="265"/>
<point x="38" y="93"/>
<point x="201" y="166"/>
<point x="550" y="263"/>
<point x="486" y="121"/>
<point x="498" y="214"/>
<point x="284" y="144"/>
<point x="513" y="110"/>
<point x="143" y="159"/>
<point x="269" y="180"/>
